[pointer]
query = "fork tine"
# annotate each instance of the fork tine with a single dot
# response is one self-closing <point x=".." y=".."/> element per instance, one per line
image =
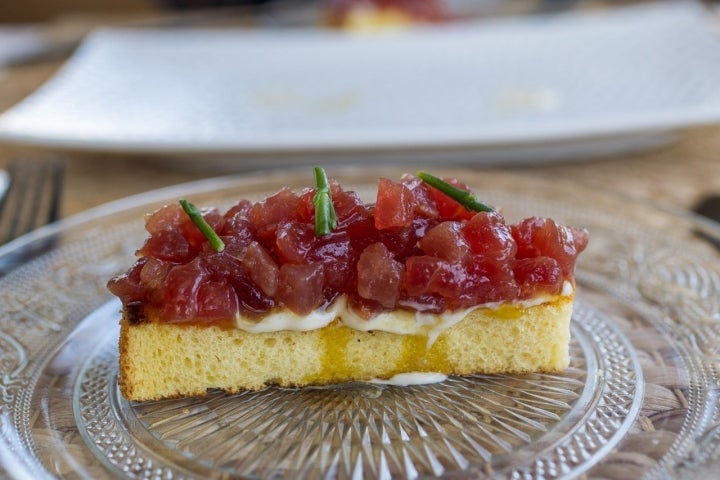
<point x="25" y="190"/>
<point x="33" y="198"/>
<point x="46" y="200"/>
<point x="10" y="214"/>
<point x="57" y="178"/>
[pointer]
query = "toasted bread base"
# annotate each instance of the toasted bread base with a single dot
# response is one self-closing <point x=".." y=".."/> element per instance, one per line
<point x="166" y="360"/>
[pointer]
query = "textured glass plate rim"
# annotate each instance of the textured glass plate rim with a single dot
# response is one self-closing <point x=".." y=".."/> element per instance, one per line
<point x="125" y="415"/>
<point x="709" y="228"/>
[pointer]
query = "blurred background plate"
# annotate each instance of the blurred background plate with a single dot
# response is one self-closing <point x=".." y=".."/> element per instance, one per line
<point x="533" y="88"/>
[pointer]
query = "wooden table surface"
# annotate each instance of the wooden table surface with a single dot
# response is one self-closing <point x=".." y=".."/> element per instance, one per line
<point x="679" y="174"/>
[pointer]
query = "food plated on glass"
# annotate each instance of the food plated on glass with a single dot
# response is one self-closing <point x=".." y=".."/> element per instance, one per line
<point x="318" y="287"/>
<point x="641" y="372"/>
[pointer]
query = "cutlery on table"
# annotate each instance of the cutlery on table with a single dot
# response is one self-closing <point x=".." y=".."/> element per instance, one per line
<point x="32" y="199"/>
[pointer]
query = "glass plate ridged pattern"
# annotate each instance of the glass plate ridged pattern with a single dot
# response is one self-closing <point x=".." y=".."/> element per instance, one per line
<point x="640" y="396"/>
<point x="489" y="423"/>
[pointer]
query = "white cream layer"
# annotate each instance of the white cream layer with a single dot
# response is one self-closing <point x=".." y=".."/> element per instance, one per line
<point x="411" y="378"/>
<point x="403" y="322"/>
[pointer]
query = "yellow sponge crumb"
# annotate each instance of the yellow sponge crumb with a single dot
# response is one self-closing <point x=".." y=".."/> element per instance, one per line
<point x="165" y="360"/>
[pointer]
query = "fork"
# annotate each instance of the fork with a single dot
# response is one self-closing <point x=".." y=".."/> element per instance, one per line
<point x="33" y="197"/>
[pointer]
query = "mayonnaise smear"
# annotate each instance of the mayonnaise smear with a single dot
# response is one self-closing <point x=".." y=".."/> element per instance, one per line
<point x="402" y="322"/>
<point x="411" y="378"/>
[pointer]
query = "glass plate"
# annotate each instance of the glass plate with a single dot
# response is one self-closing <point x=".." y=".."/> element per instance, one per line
<point x="639" y="398"/>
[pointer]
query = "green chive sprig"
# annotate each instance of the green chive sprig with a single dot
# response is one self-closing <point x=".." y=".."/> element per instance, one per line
<point x="466" y="199"/>
<point x="199" y="221"/>
<point x="325" y="217"/>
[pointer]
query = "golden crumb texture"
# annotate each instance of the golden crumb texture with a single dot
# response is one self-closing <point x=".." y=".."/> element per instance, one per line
<point x="167" y="360"/>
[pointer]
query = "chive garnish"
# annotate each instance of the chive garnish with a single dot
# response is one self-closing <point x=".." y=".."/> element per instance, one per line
<point x="325" y="217"/>
<point x="466" y="199"/>
<point x="199" y="221"/>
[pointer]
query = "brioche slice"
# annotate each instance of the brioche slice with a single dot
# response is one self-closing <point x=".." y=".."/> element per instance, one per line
<point x="164" y="360"/>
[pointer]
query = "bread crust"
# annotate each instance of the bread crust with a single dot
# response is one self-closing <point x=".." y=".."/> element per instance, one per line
<point x="168" y="360"/>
